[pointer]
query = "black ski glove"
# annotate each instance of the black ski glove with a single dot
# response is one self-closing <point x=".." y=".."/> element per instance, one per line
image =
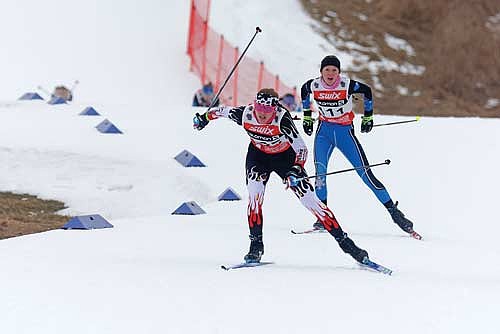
<point x="308" y="122"/>
<point x="200" y="121"/>
<point x="366" y="123"/>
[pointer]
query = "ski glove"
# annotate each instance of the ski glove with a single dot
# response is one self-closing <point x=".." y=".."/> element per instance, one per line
<point x="200" y="121"/>
<point x="296" y="174"/>
<point x="307" y="124"/>
<point x="366" y="123"/>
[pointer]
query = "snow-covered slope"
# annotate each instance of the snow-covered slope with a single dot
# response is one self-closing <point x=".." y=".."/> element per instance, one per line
<point x="159" y="273"/>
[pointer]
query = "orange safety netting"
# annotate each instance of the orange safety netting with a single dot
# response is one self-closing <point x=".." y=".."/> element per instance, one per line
<point x="213" y="58"/>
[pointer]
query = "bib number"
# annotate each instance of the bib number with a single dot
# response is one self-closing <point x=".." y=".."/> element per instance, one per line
<point x="333" y="112"/>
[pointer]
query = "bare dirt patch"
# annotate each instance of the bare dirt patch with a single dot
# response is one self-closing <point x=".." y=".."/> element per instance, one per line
<point x="22" y="214"/>
<point x="456" y="41"/>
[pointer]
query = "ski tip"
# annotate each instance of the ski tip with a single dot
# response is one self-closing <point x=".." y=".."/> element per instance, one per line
<point x="375" y="266"/>
<point x="224" y="267"/>
<point x="415" y="235"/>
<point x="293" y="232"/>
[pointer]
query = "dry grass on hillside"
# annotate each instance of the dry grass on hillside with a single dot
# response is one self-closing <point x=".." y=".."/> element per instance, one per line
<point x="22" y="214"/>
<point x="462" y="52"/>
<point x="455" y="40"/>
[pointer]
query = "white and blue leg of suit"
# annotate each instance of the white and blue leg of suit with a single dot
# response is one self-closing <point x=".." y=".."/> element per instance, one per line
<point x="331" y="135"/>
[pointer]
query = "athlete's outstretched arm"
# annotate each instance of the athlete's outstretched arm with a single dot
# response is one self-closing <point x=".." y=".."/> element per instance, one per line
<point x="235" y="114"/>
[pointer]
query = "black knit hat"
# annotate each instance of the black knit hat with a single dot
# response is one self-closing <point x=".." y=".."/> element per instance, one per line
<point x="330" y="60"/>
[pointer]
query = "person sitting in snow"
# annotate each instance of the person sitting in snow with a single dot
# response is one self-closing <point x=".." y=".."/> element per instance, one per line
<point x="63" y="92"/>
<point x="203" y="96"/>
<point x="275" y="146"/>
<point x="288" y="100"/>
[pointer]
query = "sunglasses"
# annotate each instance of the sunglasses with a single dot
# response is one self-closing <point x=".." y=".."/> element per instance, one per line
<point x="263" y="108"/>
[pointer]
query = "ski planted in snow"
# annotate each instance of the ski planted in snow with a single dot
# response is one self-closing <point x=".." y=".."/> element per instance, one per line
<point x="367" y="263"/>
<point x="244" y="265"/>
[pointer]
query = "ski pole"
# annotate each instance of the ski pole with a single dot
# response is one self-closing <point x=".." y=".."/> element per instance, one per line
<point x="72" y="90"/>
<point x="257" y="30"/>
<point x="400" y="122"/>
<point x="44" y="90"/>
<point x="74" y="85"/>
<point x="386" y="162"/>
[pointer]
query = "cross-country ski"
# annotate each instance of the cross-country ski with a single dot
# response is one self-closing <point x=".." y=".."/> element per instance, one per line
<point x="413" y="234"/>
<point x="244" y="265"/>
<point x="367" y="263"/>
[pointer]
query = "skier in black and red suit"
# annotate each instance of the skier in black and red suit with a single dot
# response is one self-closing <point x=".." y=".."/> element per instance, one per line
<point x="275" y="146"/>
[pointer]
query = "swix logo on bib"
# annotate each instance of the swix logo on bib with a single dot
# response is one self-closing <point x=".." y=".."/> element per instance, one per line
<point x="266" y="137"/>
<point x="267" y="130"/>
<point x="330" y="95"/>
<point x="334" y="105"/>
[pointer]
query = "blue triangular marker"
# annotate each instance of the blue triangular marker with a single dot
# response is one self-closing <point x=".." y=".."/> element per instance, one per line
<point x="31" y="96"/>
<point x="57" y="100"/>
<point x="89" y="111"/>
<point x="188" y="159"/>
<point x="229" y="195"/>
<point x="189" y="208"/>
<point x="107" y="127"/>
<point x="87" y="222"/>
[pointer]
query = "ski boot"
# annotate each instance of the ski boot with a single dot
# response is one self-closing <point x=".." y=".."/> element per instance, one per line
<point x="350" y="248"/>
<point x="318" y="226"/>
<point x="256" y="249"/>
<point x="399" y="218"/>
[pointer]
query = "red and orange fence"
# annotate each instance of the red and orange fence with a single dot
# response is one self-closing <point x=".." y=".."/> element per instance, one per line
<point x="212" y="59"/>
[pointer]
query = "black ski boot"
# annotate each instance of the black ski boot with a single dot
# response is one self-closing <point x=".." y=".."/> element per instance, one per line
<point x="350" y="248"/>
<point x="256" y="249"/>
<point x="399" y="218"/>
<point x="318" y="225"/>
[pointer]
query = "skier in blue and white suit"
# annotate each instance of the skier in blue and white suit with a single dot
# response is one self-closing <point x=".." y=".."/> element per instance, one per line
<point x="333" y="95"/>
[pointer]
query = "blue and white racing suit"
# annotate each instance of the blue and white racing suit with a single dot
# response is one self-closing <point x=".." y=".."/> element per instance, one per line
<point x="335" y="129"/>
